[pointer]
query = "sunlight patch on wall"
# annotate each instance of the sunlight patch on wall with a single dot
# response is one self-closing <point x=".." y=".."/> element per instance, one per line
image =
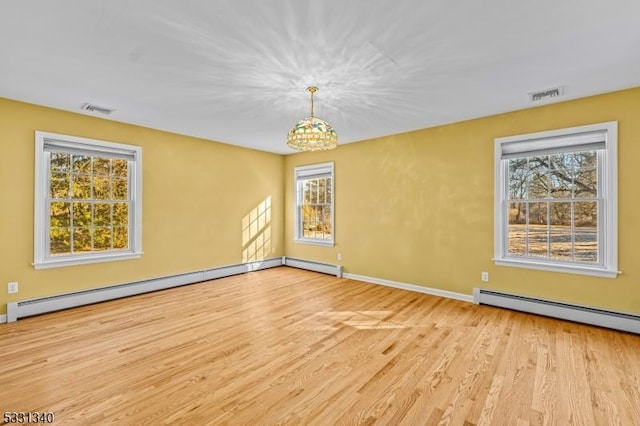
<point x="256" y="232"/>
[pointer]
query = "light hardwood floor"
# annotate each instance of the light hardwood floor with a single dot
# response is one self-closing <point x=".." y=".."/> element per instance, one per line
<point x="285" y="346"/>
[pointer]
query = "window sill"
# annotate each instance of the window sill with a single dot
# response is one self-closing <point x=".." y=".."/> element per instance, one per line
<point x="570" y="269"/>
<point x="83" y="260"/>
<point x="314" y="242"/>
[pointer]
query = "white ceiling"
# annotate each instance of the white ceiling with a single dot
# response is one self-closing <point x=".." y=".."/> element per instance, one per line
<point x="236" y="71"/>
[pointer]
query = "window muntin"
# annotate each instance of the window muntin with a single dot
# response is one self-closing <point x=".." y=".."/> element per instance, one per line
<point x="87" y="201"/>
<point x="556" y="200"/>
<point x="314" y="204"/>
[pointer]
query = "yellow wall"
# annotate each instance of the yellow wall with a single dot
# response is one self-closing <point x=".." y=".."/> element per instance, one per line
<point x="198" y="198"/>
<point x="418" y="207"/>
<point x="414" y="208"/>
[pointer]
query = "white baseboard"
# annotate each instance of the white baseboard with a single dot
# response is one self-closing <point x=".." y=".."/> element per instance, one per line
<point x="622" y="321"/>
<point x="411" y="287"/>
<point x="311" y="265"/>
<point x="264" y="264"/>
<point x="58" y="302"/>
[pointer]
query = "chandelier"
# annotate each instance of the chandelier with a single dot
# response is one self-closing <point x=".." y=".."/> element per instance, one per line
<point x="312" y="133"/>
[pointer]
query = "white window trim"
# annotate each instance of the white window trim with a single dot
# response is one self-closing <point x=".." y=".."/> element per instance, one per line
<point x="608" y="237"/>
<point x="41" y="216"/>
<point x="307" y="172"/>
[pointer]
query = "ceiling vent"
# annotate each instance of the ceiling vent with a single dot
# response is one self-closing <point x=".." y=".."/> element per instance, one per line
<point x="95" y="108"/>
<point x="546" y="94"/>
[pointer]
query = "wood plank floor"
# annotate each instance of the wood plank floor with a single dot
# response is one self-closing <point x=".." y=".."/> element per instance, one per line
<point x="285" y="346"/>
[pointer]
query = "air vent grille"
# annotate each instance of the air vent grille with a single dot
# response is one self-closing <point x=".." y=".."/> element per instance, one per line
<point x="97" y="108"/>
<point x="546" y="94"/>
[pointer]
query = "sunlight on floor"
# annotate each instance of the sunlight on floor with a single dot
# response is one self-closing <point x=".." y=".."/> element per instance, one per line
<point x="362" y="320"/>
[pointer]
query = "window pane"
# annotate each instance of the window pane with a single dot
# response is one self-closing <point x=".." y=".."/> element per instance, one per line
<point x="120" y="189"/>
<point x="537" y="230"/>
<point x="59" y="215"/>
<point x="59" y="241"/>
<point x="539" y="179"/>
<point x="311" y="221"/>
<point x="326" y="218"/>
<point x="120" y="237"/>
<point x="102" y="238"/>
<point x="101" y="188"/>
<point x="329" y="194"/>
<point x="560" y="232"/>
<point x="322" y="190"/>
<point x="81" y="187"/>
<point x="586" y="214"/>
<point x="120" y="214"/>
<point x="307" y="227"/>
<point x="586" y="246"/>
<point x="81" y="240"/>
<point x="519" y="176"/>
<point x="81" y="214"/>
<point x="59" y="185"/>
<point x="516" y="239"/>
<point x="538" y="188"/>
<point x="586" y="183"/>
<point x="518" y="213"/>
<point x="308" y="213"/>
<point x="318" y="226"/>
<point x="101" y="166"/>
<point x="560" y="176"/>
<point x="304" y="188"/>
<point x="538" y="214"/>
<point x="119" y="168"/>
<point x="313" y="191"/>
<point x="586" y="231"/>
<point x="60" y="162"/>
<point x="324" y="224"/>
<point x="586" y="159"/>
<point x="102" y="214"/>
<point x="81" y="164"/>
<point x="564" y="161"/>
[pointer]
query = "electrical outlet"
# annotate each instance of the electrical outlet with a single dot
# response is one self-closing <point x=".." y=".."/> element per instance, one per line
<point x="339" y="256"/>
<point x="484" y="276"/>
<point x="12" y="287"/>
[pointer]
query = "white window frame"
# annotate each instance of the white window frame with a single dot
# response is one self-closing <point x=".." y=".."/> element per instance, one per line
<point x="542" y="142"/>
<point x="301" y="174"/>
<point x="41" y="215"/>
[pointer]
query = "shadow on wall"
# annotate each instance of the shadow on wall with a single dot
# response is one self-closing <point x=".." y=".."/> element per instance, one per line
<point x="256" y="232"/>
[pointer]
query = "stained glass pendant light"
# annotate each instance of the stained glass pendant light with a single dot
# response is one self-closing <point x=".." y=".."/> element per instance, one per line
<point x="312" y="133"/>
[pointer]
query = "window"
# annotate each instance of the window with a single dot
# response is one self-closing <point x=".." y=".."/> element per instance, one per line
<point x="314" y="204"/>
<point x="556" y="200"/>
<point x="87" y="201"/>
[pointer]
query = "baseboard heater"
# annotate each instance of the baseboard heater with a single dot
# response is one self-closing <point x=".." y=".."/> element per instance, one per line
<point x="593" y="316"/>
<point x="309" y="265"/>
<point x="42" y="305"/>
